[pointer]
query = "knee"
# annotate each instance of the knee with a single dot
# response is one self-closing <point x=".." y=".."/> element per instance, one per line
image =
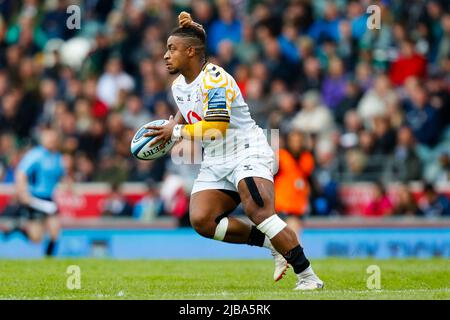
<point x="204" y="225"/>
<point x="35" y="237"/>
<point x="254" y="211"/>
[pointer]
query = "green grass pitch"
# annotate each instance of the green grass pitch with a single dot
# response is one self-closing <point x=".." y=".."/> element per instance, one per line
<point x="219" y="279"/>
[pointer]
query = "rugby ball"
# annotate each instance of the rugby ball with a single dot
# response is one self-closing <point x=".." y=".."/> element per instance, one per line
<point x="140" y="145"/>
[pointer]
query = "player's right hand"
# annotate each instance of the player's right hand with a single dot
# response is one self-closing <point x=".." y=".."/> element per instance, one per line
<point x="161" y="133"/>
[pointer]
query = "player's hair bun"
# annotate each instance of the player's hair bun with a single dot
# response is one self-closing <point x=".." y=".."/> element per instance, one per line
<point x="185" y="21"/>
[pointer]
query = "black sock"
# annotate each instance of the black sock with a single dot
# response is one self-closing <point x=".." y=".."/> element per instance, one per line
<point x="296" y="258"/>
<point x="256" y="237"/>
<point x="50" y="248"/>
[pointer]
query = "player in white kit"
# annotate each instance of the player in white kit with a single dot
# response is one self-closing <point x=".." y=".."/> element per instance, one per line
<point x="238" y="161"/>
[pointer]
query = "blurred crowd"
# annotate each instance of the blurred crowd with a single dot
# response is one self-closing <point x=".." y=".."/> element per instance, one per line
<point x="371" y="104"/>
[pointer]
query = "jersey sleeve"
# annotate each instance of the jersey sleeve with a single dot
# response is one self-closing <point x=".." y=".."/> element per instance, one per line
<point x="218" y="94"/>
<point x="29" y="162"/>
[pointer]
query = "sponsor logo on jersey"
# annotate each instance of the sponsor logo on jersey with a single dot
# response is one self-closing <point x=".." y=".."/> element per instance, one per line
<point x="217" y="98"/>
<point x="194" y="115"/>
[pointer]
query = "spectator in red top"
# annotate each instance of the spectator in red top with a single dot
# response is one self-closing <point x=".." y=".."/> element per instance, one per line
<point x="98" y="108"/>
<point x="242" y="75"/>
<point x="409" y="63"/>
<point x="381" y="205"/>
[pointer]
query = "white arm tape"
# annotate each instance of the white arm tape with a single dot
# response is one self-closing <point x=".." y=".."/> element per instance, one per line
<point x="221" y="229"/>
<point x="271" y="226"/>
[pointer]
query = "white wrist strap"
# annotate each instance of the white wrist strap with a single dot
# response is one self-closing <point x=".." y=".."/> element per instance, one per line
<point x="176" y="132"/>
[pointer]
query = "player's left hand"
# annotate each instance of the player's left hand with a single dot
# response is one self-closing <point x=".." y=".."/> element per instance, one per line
<point x="161" y="133"/>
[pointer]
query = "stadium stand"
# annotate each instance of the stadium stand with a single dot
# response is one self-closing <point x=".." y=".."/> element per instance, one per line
<point x="374" y="104"/>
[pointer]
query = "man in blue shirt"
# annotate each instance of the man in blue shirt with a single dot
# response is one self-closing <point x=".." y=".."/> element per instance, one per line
<point x="37" y="176"/>
<point x="423" y="118"/>
<point x="226" y="27"/>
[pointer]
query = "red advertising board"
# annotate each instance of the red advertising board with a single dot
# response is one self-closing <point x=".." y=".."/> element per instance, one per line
<point x="86" y="200"/>
<point x="82" y="200"/>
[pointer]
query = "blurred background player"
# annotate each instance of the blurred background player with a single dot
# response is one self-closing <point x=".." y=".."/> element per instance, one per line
<point x="37" y="175"/>
<point x="292" y="181"/>
<point x="238" y="161"/>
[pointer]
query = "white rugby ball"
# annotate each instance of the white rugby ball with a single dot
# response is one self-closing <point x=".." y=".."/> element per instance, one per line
<point x="140" y="147"/>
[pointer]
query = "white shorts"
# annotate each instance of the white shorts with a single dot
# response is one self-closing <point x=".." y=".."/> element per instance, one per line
<point x="226" y="175"/>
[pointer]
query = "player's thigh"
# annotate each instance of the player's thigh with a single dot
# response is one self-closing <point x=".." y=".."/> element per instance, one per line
<point x="257" y="196"/>
<point x="207" y="205"/>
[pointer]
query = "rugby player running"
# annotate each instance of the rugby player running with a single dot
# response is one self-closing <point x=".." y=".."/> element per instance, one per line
<point x="238" y="161"/>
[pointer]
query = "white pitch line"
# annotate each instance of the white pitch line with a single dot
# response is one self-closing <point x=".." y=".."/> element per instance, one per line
<point x="236" y="294"/>
<point x="316" y="292"/>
